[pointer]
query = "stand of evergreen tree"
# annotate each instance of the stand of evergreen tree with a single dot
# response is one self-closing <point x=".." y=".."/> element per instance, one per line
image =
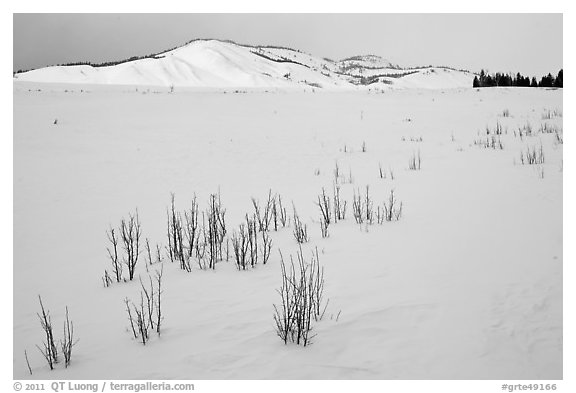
<point x="518" y="80"/>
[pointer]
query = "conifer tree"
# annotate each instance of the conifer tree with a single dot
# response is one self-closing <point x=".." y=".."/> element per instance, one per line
<point x="559" y="79"/>
<point x="476" y="82"/>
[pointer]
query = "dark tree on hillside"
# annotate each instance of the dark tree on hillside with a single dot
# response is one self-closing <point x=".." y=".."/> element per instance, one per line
<point x="559" y="79"/>
<point x="547" y="81"/>
<point x="521" y="81"/>
<point x="518" y="80"/>
<point x="482" y="80"/>
<point x="526" y="82"/>
<point x="476" y="82"/>
<point x="504" y="80"/>
<point x="489" y="81"/>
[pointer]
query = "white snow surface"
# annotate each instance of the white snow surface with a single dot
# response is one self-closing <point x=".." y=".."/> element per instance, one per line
<point x="214" y="63"/>
<point x="467" y="285"/>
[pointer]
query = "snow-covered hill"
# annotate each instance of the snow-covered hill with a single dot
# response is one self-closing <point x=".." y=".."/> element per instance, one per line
<point x="220" y="64"/>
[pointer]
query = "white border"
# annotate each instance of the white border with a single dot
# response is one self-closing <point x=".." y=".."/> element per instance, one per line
<point x="358" y="6"/>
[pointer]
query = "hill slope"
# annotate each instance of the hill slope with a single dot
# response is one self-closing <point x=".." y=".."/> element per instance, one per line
<point x="213" y="63"/>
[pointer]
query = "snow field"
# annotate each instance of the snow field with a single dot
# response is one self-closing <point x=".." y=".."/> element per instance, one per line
<point x="466" y="285"/>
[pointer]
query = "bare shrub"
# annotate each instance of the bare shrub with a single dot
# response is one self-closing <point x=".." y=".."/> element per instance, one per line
<point x="381" y="172"/>
<point x="324" y="205"/>
<point x="245" y="244"/>
<point x="158" y="254"/>
<point x="106" y="279"/>
<point x="130" y="317"/>
<point x="147" y="315"/>
<point x="240" y="246"/>
<point x="251" y="225"/>
<point x="159" y="316"/>
<point x="49" y="350"/>
<point x="113" y="254"/>
<point x="326" y="212"/>
<point x="339" y="207"/>
<point x="152" y="256"/>
<point x="148" y="253"/>
<point x="227" y="249"/>
<point x="200" y="247"/>
<point x="274" y="212"/>
<point x="284" y="314"/>
<point x="209" y="241"/>
<point x="176" y="238"/>
<point x="391" y="210"/>
<point x="526" y="130"/>
<point x="491" y="142"/>
<point x="497" y="130"/>
<point x="219" y="214"/>
<point x="550" y="114"/>
<point x="546" y="128"/>
<point x="215" y="232"/>
<point x="357" y="208"/>
<point x="191" y="228"/>
<point x="282" y="216"/>
<point x="350" y="179"/>
<point x="142" y="322"/>
<point x="340" y="177"/>
<point x="368" y="206"/>
<point x="266" y="246"/>
<point x="323" y="228"/>
<point x="415" y="161"/>
<point x="263" y="216"/>
<point x="149" y="301"/>
<point x="301" y="295"/>
<point x="68" y="341"/>
<point x="363" y="207"/>
<point x="277" y="212"/>
<point x="532" y="155"/>
<point x="316" y="287"/>
<point x="559" y="137"/>
<point x="131" y="231"/>
<point x="337" y="172"/>
<point x="27" y="362"/>
<point x="300" y="230"/>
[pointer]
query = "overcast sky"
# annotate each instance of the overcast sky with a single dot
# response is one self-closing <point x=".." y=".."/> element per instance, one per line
<point x="526" y="43"/>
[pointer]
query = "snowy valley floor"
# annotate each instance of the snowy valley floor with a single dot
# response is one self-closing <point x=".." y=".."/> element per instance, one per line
<point x="466" y="285"/>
